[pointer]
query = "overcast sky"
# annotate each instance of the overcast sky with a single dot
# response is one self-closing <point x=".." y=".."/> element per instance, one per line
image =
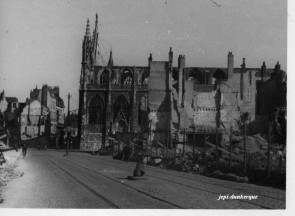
<point x="41" y="41"/>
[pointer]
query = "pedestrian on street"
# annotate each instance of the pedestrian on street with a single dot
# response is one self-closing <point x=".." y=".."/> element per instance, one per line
<point x="57" y="140"/>
<point x="24" y="150"/>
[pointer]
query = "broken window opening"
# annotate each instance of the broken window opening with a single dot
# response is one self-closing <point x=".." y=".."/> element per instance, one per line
<point x="197" y="76"/>
<point x="144" y="79"/>
<point x="122" y="111"/>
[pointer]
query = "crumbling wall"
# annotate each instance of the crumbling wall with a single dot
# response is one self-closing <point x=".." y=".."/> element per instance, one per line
<point x="230" y="107"/>
<point x="201" y="108"/>
<point x="158" y="98"/>
<point x="204" y="104"/>
<point x="248" y="104"/>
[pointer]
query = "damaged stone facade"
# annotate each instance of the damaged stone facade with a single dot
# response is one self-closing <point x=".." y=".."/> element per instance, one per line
<point x="50" y="98"/>
<point x="160" y="97"/>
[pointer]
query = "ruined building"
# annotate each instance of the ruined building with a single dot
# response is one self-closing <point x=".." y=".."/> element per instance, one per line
<point x="49" y="97"/>
<point x="160" y="96"/>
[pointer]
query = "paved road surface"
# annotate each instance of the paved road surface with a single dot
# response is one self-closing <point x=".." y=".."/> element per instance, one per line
<point x="80" y="180"/>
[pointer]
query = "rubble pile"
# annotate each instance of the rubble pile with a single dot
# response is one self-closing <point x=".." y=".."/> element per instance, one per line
<point x="256" y="159"/>
<point x="7" y="173"/>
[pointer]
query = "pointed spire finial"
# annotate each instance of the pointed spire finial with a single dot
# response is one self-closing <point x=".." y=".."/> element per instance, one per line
<point x="87" y="33"/>
<point x="111" y="62"/>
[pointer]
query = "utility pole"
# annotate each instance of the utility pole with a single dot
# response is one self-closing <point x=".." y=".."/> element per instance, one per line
<point x="245" y="128"/>
<point x="68" y="130"/>
<point x="230" y="148"/>
<point x="68" y="121"/>
<point x="268" y="150"/>
<point x="194" y="140"/>
<point x="41" y="112"/>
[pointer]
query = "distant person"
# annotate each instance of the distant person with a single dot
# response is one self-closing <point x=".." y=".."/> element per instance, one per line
<point x="24" y="151"/>
<point x="57" y="140"/>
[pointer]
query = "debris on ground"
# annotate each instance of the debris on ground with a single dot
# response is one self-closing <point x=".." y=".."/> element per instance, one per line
<point x="8" y="171"/>
<point x="206" y="163"/>
<point x="229" y="176"/>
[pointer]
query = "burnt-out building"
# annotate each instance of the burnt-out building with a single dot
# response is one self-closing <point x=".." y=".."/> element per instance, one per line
<point x="162" y="96"/>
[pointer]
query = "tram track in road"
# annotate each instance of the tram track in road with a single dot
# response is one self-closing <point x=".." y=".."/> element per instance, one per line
<point x="234" y="191"/>
<point x="174" y="205"/>
<point x="198" y="189"/>
<point x="232" y="187"/>
<point x="111" y="204"/>
<point x="153" y="169"/>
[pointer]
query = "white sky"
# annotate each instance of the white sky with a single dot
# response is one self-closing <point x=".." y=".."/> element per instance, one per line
<point x="40" y="41"/>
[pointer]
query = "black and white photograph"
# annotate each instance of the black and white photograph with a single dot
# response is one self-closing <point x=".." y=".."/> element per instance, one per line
<point x="144" y="105"/>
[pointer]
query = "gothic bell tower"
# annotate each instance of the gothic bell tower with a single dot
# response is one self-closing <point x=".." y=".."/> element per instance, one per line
<point x="89" y="60"/>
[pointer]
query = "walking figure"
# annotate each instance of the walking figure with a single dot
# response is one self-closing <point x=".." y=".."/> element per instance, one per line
<point x="24" y="151"/>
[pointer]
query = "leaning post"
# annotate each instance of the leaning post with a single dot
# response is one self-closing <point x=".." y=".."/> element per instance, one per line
<point x="245" y="128"/>
<point x="183" y="146"/>
<point x="230" y="149"/>
<point x="204" y="149"/>
<point x="216" y="143"/>
<point x="268" y="150"/>
<point x="194" y="140"/>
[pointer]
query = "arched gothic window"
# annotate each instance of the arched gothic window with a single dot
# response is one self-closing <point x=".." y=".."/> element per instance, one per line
<point x="126" y="77"/>
<point x="219" y="74"/>
<point x="142" y="111"/>
<point x="104" y="77"/>
<point x="144" y="78"/>
<point x="128" y="80"/>
<point x="122" y="111"/>
<point x="96" y="110"/>
<point x="196" y="75"/>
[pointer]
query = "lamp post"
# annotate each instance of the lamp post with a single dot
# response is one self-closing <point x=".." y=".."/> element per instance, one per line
<point x="194" y="139"/>
<point x="68" y="131"/>
<point x="246" y="118"/>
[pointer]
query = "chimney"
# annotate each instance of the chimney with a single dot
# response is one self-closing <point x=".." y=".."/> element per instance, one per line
<point x="170" y="56"/>
<point x="278" y="68"/>
<point x="243" y="70"/>
<point x="150" y="59"/>
<point x="263" y="71"/>
<point x="181" y="66"/>
<point x="230" y="65"/>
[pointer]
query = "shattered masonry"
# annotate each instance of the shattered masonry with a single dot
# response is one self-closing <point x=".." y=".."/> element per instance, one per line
<point x="162" y="97"/>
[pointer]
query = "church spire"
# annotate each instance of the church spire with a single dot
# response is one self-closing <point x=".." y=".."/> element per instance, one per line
<point x="96" y="23"/>
<point x="111" y="62"/>
<point x="95" y="40"/>
<point x="87" y="33"/>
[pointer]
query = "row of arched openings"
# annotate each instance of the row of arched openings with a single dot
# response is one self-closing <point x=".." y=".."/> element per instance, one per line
<point x="126" y="77"/>
<point x="204" y="78"/>
<point x="121" y="112"/>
